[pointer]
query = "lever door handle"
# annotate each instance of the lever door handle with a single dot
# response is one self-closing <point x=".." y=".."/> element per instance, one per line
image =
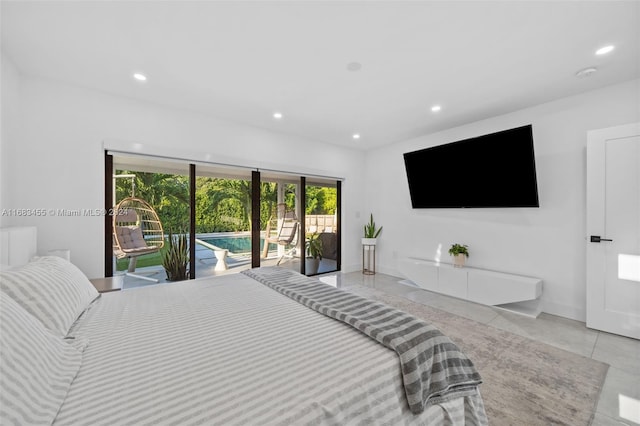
<point x="597" y="239"/>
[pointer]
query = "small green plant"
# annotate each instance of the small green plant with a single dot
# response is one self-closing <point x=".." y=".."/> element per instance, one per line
<point x="457" y="249"/>
<point x="313" y="246"/>
<point x="370" y="230"/>
<point x="176" y="258"/>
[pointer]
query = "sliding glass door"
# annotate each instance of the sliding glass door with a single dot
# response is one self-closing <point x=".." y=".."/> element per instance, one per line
<point x="233" y="218"/>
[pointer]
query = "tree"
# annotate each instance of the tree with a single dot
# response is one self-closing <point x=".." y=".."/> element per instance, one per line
<point x="168" y="194"/>
<point x="222" y="205"/>
<point x="321" y="200"/>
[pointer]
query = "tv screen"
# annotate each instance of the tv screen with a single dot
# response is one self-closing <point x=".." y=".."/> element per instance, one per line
<point x="494" y="170"/>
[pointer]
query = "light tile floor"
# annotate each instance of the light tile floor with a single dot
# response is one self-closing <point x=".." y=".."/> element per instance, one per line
<point x="619" y="402"/>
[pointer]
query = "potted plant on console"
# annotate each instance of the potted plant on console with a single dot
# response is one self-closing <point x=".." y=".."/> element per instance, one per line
<point x="313" y="247"/>
<point x="459" y="252"/>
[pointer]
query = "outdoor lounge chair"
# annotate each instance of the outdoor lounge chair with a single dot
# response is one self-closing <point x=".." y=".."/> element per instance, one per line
<point x="136" y="231"/>
<point x="286" y="235"/>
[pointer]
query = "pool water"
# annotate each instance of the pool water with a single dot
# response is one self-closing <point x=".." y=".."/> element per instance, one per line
<point x="236" y="244"/>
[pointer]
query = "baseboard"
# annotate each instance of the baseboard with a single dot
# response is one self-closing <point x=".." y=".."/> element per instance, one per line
<point x="345" y="269"/>
<point x="565" y="311"/>
<point x="390" y="271"/>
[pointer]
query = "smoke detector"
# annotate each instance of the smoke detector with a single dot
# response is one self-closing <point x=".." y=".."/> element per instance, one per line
<point x="587" y="72"/>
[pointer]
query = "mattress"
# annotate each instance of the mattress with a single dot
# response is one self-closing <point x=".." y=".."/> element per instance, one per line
<point x="229" y="350"/>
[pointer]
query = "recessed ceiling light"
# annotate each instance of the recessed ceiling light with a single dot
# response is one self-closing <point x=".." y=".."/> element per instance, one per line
<point x="587" y="72"/>
<point x="356" y="136"/>
<point x="277" y="115"/>
<point x="354" y="66"/>
<point x="604" y="50"/>
<point x="436" y="108"/>
<point x="140" y="77"/>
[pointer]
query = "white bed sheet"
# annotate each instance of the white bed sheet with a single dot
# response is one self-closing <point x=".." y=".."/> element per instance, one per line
<point x="231" y="351"/>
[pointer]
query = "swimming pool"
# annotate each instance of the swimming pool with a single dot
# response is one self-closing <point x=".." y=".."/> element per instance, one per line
<point x="235" y="243"/>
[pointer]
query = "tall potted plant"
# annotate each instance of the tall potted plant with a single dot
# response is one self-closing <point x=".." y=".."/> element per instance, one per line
<point x="176" y="257"/>
<point x="313" y="248"/>
<point x="371" y="233"/>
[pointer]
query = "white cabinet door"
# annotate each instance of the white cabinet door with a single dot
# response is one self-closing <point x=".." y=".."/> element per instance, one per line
<point x="495" y="288"/>
<point x="613" y="230"/>
<point x="452" y="281"/>
<point x="421" y="272"/>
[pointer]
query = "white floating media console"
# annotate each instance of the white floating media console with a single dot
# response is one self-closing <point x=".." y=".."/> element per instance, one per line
<point x="511" y="292"/>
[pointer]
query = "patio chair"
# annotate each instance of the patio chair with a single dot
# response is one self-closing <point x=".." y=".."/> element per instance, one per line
<point x="286" y="235"/>
<point x="136" y="231"/>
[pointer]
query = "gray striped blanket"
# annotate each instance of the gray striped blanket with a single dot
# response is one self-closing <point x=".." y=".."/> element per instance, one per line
<point x="433" y="368"/>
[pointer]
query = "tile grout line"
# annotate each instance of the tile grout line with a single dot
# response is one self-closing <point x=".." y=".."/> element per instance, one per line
<point x="493" y="319"/>
<point x="595" y="343"/>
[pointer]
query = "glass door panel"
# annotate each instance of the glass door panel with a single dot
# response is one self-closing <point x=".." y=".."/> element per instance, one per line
<point x="321" y="228"/>
<point x="223" y="220"/>
<point x="151" y="200"/>
<point x="280" y="242"/>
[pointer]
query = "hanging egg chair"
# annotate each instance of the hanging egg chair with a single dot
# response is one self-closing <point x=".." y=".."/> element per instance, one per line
<point x="137" y="231"/>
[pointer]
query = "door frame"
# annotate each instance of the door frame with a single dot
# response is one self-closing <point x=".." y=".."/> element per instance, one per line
<point x="595" y="224"/>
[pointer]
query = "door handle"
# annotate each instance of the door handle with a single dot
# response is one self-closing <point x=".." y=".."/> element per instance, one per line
<point x="597" y="239"/>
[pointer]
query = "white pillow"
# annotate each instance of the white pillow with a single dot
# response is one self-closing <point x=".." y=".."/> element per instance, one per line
<point x="51" y="289"/>
<point x="36" y="367"/>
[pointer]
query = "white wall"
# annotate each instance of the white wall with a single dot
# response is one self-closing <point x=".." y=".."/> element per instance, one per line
<point x="546" y="242"/>
<point x="9" y="114"/>
<point x="52" y="157"/>
<point x="56" y="159"/>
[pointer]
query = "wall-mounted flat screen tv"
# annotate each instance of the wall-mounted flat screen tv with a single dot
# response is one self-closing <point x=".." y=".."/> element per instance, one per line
<point x="494" y="170"/>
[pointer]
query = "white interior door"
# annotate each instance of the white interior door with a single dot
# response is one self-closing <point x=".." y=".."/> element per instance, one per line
<point x="613" y="230"/>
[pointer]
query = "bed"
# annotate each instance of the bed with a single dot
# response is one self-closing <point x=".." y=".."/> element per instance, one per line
<point x="229" y="350"/>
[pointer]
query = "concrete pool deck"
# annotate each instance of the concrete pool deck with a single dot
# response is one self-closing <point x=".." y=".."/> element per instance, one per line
<point x="205" y="267"/>
<point x="206" y="263"/>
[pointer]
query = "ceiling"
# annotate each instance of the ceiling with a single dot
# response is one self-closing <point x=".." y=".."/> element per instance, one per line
<point x="243" y="61"/>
